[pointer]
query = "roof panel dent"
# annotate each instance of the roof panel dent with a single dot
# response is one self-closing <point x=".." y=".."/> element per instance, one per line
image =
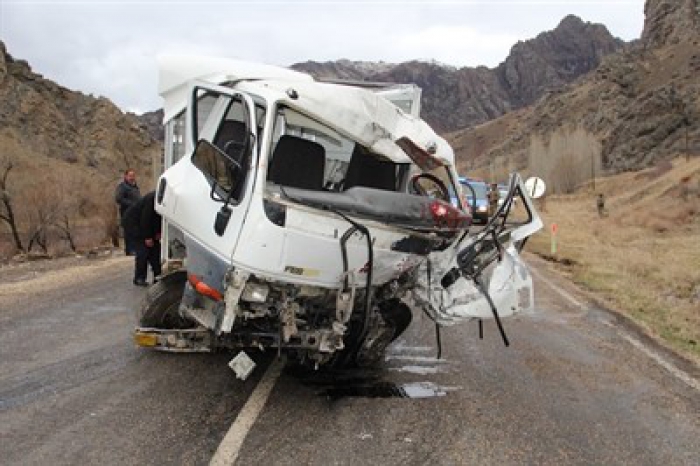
<point x="359" y="113"/>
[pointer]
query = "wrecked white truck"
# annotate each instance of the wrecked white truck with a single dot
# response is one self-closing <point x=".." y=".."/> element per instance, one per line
<point x="316" y="218"/>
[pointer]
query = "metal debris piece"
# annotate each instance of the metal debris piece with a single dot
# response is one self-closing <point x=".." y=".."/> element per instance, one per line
<point x="242" y="365"/>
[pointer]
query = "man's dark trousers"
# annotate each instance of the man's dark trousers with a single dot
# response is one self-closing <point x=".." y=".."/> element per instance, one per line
<point x="145" y="256"/>
<point x="130" y="243"/>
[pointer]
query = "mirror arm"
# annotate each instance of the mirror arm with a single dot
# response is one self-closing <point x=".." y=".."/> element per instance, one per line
<point x="214" y="184"/>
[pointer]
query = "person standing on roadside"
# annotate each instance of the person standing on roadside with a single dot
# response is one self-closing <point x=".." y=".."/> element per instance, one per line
<point x="143" y="224"/>
<point x="126" y="195"/>
<point x="600" y="205"/>
<point x="493" y="197"/>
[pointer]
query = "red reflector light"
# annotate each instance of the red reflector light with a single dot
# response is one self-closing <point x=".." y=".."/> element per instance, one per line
<point x="448" y="216"/>
<point x="438" y="209"/>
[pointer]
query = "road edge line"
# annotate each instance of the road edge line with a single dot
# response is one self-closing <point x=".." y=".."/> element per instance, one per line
<point x="655" y="356"/>
<point x="227" y="452"/>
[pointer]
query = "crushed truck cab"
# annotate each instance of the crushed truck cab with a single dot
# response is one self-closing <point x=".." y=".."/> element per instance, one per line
<point x="315" y="218"/>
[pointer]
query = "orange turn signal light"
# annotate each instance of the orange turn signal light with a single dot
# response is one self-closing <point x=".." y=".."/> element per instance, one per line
<point x="204" y="289"/>
<point x="147" y="340"/>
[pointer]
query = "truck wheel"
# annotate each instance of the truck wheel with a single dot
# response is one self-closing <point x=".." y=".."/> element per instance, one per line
<point x="160" y="306"/>
<point x="396" y="314"/>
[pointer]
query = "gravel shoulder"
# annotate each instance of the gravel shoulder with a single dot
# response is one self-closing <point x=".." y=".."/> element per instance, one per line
<point x="20" y="280"/>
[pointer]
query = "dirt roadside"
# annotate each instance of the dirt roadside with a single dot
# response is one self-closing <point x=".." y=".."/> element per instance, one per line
<point x="19" y="280"/>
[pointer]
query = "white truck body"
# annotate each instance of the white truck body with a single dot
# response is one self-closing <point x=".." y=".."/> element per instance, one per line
<point x="314" y="216"/>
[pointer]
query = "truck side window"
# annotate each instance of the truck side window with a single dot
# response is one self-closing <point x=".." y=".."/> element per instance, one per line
<point x="226" y="162"/>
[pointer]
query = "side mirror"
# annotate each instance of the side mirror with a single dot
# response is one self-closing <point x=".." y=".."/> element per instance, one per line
<point x="221" y="169"/>
<point x="222" y="172"/>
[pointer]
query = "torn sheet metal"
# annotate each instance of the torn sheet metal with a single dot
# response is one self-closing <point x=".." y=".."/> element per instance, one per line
<point x="509" y="284"/>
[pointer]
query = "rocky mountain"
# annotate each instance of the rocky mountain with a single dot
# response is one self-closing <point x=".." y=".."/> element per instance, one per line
<point x="153" y="123"/>
<point x="343" y="69"/>
<point x="554" y="59"/>
<point x="458" y="98"/>
<point x="41" y="119"/>
<point x="640" y="105"/>
<point x="670" y="22"/>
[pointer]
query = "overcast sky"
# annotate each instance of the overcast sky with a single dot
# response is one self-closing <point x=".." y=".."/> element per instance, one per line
<point x="109" y="47"/>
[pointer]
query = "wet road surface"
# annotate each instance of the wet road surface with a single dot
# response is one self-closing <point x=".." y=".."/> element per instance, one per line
<point x="571" y="389"/>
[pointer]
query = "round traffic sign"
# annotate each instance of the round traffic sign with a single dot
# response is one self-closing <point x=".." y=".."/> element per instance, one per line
<point x="535" y="187"/>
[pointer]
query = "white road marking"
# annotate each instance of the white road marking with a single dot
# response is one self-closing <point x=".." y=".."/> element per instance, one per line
<point x="420" y="370"/>
<point x="656" y="357"/>
<point x="690" y="381"/>
<point x="563" y="293"/>
<point x="423" y="359"/>
<point x="230" y="446"/>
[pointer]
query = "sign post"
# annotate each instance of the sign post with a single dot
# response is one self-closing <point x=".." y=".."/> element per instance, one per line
<point x="554" y="230"/>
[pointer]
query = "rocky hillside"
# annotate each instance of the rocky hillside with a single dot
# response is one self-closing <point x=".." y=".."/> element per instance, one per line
<point x="153" y="123"/>
<point x="39" y="118"/>
<point x="670" y="22"/>
<point x="641" y="105"/>
<point x="459" y="98"/>
<point x="61" y="155"/>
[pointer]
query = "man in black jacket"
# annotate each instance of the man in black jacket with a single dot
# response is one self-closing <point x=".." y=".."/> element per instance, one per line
<point x="126" y="195"/>
<point x="143" y="224"/>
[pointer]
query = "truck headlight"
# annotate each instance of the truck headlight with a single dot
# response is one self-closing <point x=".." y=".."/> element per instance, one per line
<point x="255" y="293"/>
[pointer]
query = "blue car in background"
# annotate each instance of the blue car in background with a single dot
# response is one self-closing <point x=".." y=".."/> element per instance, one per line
<point x="476" y="194"/>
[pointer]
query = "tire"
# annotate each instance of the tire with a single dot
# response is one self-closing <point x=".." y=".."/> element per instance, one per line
<point x="397" y="317"/>
<point x="160" y="307"/>
<point x="396" y="314"/>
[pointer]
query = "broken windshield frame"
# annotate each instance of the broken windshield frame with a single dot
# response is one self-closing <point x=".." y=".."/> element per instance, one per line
<point x="432" y="165"/>
<point x="312" y="164"/>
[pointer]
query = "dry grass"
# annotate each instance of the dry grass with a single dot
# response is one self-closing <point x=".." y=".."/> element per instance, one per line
<point x="643" y="259"/>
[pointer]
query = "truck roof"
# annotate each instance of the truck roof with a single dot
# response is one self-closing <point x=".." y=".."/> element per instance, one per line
<point x="363" y="115"/>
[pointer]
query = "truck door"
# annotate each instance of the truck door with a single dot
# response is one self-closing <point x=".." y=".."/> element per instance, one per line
<point x="206" y="194"/>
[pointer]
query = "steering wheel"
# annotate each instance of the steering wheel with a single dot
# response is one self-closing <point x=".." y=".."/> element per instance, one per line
<point x="234" y="149"/>
<point x="429" y="185"/>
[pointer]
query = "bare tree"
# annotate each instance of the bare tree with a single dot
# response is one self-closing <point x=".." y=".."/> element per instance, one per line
<point x="41" y="207"/>
<point x="567" y="174"/>
<point x="103" y="211"/>
<point x="72" y="207"/>
<point x="39" y="221"/>
<point x="65" y="225"/>
<point x="109" y="216"/>
<point x="7" y="213"/>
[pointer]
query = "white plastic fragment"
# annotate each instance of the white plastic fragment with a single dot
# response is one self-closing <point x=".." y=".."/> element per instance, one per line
<point x="242" y="365"/>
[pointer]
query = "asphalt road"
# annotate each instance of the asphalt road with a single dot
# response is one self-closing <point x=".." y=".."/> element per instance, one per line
<point x="574" y="387"/>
